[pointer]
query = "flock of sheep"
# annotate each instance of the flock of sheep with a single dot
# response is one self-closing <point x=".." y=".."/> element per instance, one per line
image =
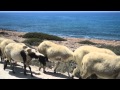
<point x="90" y="60"/>
<point x="12" y="51"/>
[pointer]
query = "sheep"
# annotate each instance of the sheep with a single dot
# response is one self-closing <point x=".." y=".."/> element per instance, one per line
<point x="2" y="46"/>
<point x="19" y="52"/>
<point x="80" y="52"/>
<point x="1" y="39"/>
<point x="105" y="66"/>
<point x="56" y="53"/>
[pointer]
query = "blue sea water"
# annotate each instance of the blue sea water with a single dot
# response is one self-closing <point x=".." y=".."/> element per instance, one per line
<point x="99" y="25"/>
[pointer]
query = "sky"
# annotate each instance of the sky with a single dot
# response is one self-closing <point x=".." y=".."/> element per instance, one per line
<point x="54" y="11"/>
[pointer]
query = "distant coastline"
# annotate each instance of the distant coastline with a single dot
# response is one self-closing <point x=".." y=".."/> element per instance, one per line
<point x="4" y="29"/>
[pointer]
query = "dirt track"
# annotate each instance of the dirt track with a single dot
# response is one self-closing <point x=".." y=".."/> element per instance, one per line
<point x="7" y="74"/>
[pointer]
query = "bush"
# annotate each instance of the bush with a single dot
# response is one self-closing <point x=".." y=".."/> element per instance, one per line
<point x="115" y="49"/>
<point x="42" y="36"/>
<point x="33" y="41"/>
<point x="87" y="42"/>
<point x="3" y="33"/>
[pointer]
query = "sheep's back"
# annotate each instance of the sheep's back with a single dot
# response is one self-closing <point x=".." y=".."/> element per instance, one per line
<point x="59" y="52"/>
<point x="100" y="61"/>
<point x="83" y="50"/>
<point x="44" y="46"/>
<point x="13" y="50"/>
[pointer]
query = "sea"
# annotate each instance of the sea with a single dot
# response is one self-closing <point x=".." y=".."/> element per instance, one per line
<point x="78" y="24"/>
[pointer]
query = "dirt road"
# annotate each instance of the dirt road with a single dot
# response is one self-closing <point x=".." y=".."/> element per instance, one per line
<point x="7" y="74"/>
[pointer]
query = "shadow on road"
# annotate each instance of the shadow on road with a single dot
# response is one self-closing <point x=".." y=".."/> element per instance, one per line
<point x="19" y="72"/>
<point x="57" y="75"/>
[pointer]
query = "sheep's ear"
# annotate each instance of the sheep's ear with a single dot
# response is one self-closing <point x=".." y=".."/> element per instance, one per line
<point x="24" y="47"/>
<point x="29" y="50"/>
<point x="16" y="41"/>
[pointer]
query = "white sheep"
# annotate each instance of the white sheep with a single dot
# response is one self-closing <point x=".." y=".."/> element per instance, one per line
<point x="1" y="39"/>
<point x="105" y="66"/>
<point x="80" y="52"/>
<point x="2" y="46"/>
<point x="55" y="52"/>
<point x="19" y="52"/>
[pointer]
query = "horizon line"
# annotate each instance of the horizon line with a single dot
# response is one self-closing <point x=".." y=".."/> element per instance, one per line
<point x="56" y="11"/>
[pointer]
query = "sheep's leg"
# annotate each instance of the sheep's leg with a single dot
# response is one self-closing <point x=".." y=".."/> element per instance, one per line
<point x="44" y="69"/>
<point x="1" y="55"/>
<point x="5" y="64"/>
<point x="25" y="69"/>
<point x="56" y="66"/>
<point x="40" y="66"/>
<point x="11" y="63"/>
<point x="23" y="54"/>
<point x="67" y="64"/>
<point x="117" y="76"/>
<point x="30" y="71"/>
<point x="85" y="74"/>
<point x="74" y="72"/>
<point x="13" y="67"/>
<point x="1" y="59"/>
<point x="93" y="76"/>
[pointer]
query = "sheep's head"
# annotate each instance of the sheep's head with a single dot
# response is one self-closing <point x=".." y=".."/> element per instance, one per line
<point x="33" y="53"/>
<point x="43" y="60"/>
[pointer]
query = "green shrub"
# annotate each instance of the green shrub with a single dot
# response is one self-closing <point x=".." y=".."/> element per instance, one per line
<point x="33" y="41"/>
<point x="3" y="33"/>
<point x="87" y="42"/>
<point x="115" y="49"/>
<point x="42" y="36"/>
